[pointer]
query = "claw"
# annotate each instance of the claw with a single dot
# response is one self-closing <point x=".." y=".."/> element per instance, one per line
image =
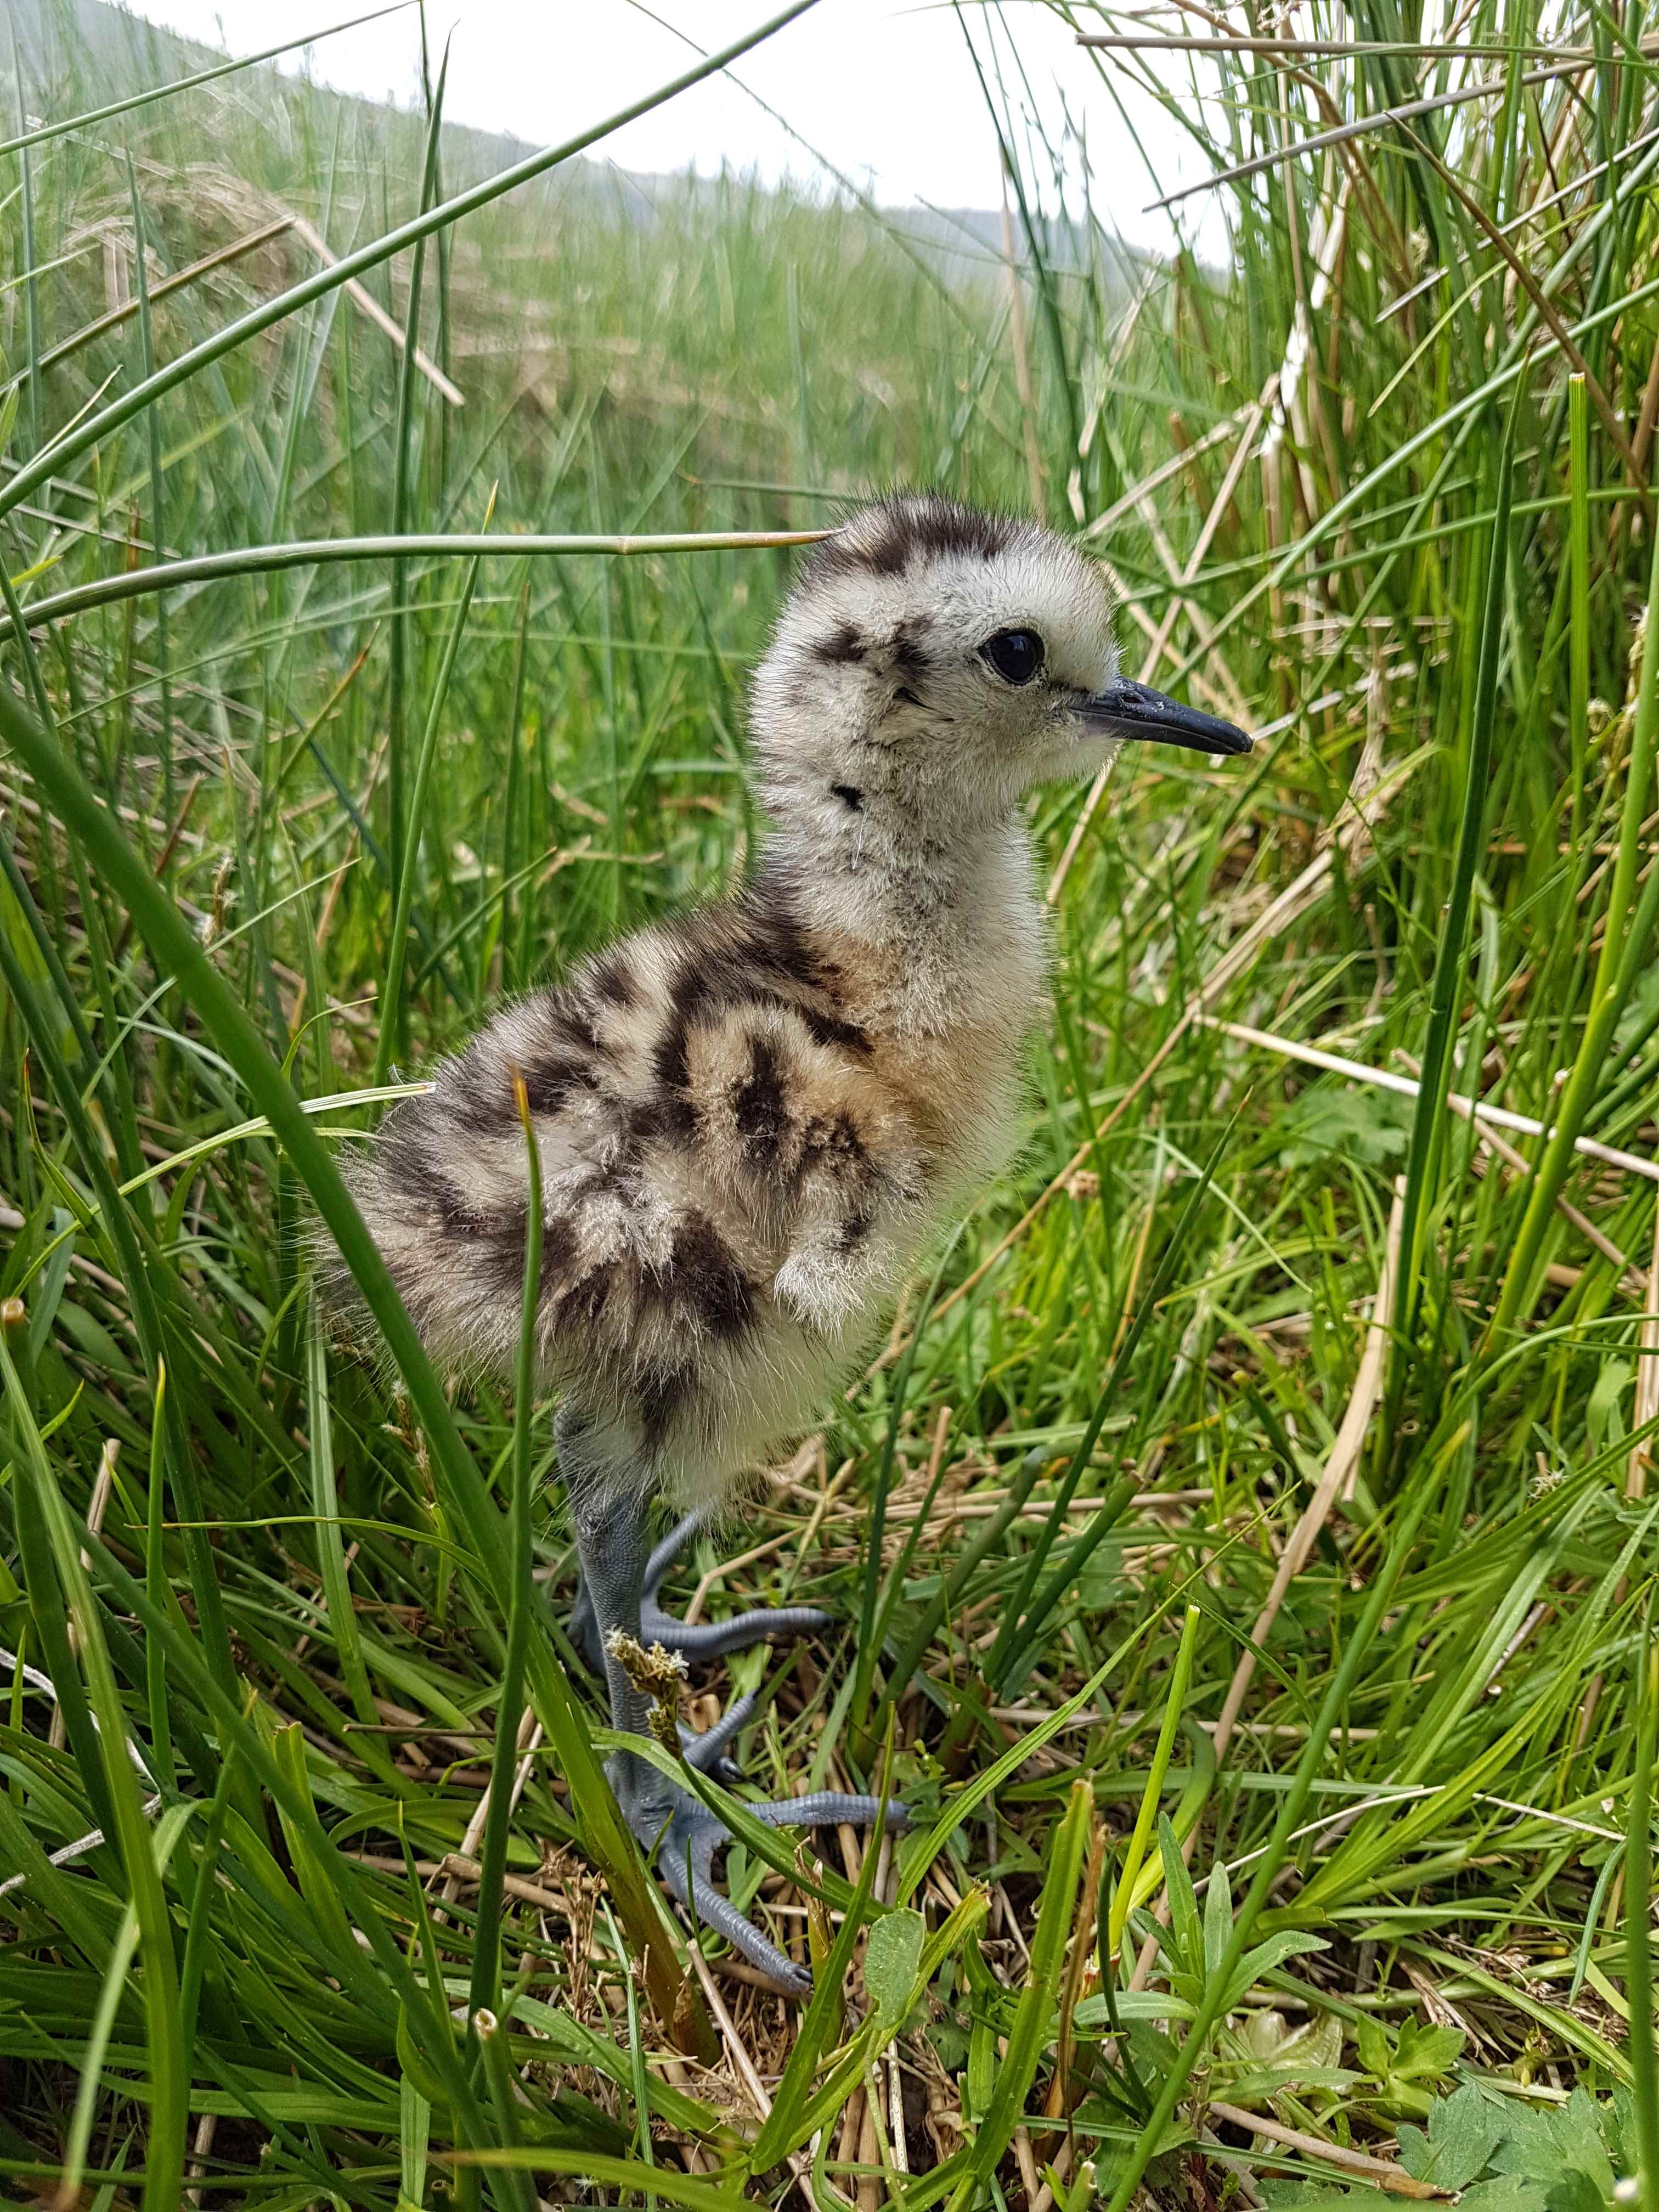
<point x="707" y="1752"/>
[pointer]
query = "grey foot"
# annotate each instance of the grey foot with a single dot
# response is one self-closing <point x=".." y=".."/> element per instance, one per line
<point x="686" y="1835"/>
<point x="704" y="1639"/>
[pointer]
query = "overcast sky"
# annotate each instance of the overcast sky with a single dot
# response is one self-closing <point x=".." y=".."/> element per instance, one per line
<point x="885" y="88"/>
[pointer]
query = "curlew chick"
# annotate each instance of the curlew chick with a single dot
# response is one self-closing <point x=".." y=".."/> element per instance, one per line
<point x="754" y="1119"/>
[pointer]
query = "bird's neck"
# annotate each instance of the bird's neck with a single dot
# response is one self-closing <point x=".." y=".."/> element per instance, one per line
<point x="928" y="926"/>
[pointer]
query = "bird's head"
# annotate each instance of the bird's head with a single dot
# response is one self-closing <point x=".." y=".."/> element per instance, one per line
<point x="941" y="660"/>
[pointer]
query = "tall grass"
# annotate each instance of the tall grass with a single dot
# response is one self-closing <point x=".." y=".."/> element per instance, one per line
<point x="312" y="752"/>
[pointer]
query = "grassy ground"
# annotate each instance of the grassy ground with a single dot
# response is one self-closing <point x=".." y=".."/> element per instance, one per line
<point x="1260" y="1490"/>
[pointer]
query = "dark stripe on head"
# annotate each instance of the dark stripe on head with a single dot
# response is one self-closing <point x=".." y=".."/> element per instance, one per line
<point x="886" y="539"/>
<point x="843" y="646"/>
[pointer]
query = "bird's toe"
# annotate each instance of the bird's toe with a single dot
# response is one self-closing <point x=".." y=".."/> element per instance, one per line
<point x="739" y="1631"/>
<point x="688" y="1839"/>
<point x="699" y="1640"/>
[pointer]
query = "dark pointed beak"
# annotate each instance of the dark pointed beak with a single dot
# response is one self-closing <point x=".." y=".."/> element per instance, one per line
<point x="1125" y="709"/>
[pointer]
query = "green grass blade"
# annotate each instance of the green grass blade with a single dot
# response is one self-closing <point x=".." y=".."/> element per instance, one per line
<point x="402" y="436"/>
<point x="304" y="553"/>
<point x="1429" y="1123"/>
<point x="1639" y="1932"/>
<point x="1146" y="1818"/>
<point x="1027" y="1615"/>
<point x="391" y="1007"/>
<point x="1624" y="941"/>
<point x="486" y="1940"/>
<point x="1036" y="2005"/>
<point x="157" y="503"/>
<point x="326" y="1504"/>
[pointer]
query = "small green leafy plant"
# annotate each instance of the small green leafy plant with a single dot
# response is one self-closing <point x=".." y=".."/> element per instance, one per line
<point x="1499" y="2152"/>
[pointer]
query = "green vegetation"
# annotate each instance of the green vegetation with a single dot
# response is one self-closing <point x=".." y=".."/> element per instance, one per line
<point x="1260" y="1624"/>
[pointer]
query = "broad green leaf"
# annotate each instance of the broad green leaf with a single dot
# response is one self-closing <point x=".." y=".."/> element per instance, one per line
<point x="1184" y="1924"/>
<point x="1218" y="1916"/>
<point x="1463" y="2131"/>
<point x="892" y="1953"/>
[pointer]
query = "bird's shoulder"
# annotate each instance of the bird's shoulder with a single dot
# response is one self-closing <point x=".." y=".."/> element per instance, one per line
<point x="727" y="1009"/>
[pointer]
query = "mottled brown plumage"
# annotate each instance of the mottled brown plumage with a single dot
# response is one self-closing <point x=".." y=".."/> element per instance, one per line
<point x="736" y="1158"/>
<point x="753" y="1121"/>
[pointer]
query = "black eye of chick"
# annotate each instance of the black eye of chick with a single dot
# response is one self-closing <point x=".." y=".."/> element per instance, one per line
<point x="1015" y="654"/>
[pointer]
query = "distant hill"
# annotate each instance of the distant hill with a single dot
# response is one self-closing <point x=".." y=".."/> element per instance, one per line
<point x="73" y="55"/>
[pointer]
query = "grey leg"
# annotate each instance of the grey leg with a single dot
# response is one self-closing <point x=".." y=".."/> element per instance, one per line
<point x="607" y="1510"/>
<point x="704" y="1639"/>
<point x="607" y="1506"/>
